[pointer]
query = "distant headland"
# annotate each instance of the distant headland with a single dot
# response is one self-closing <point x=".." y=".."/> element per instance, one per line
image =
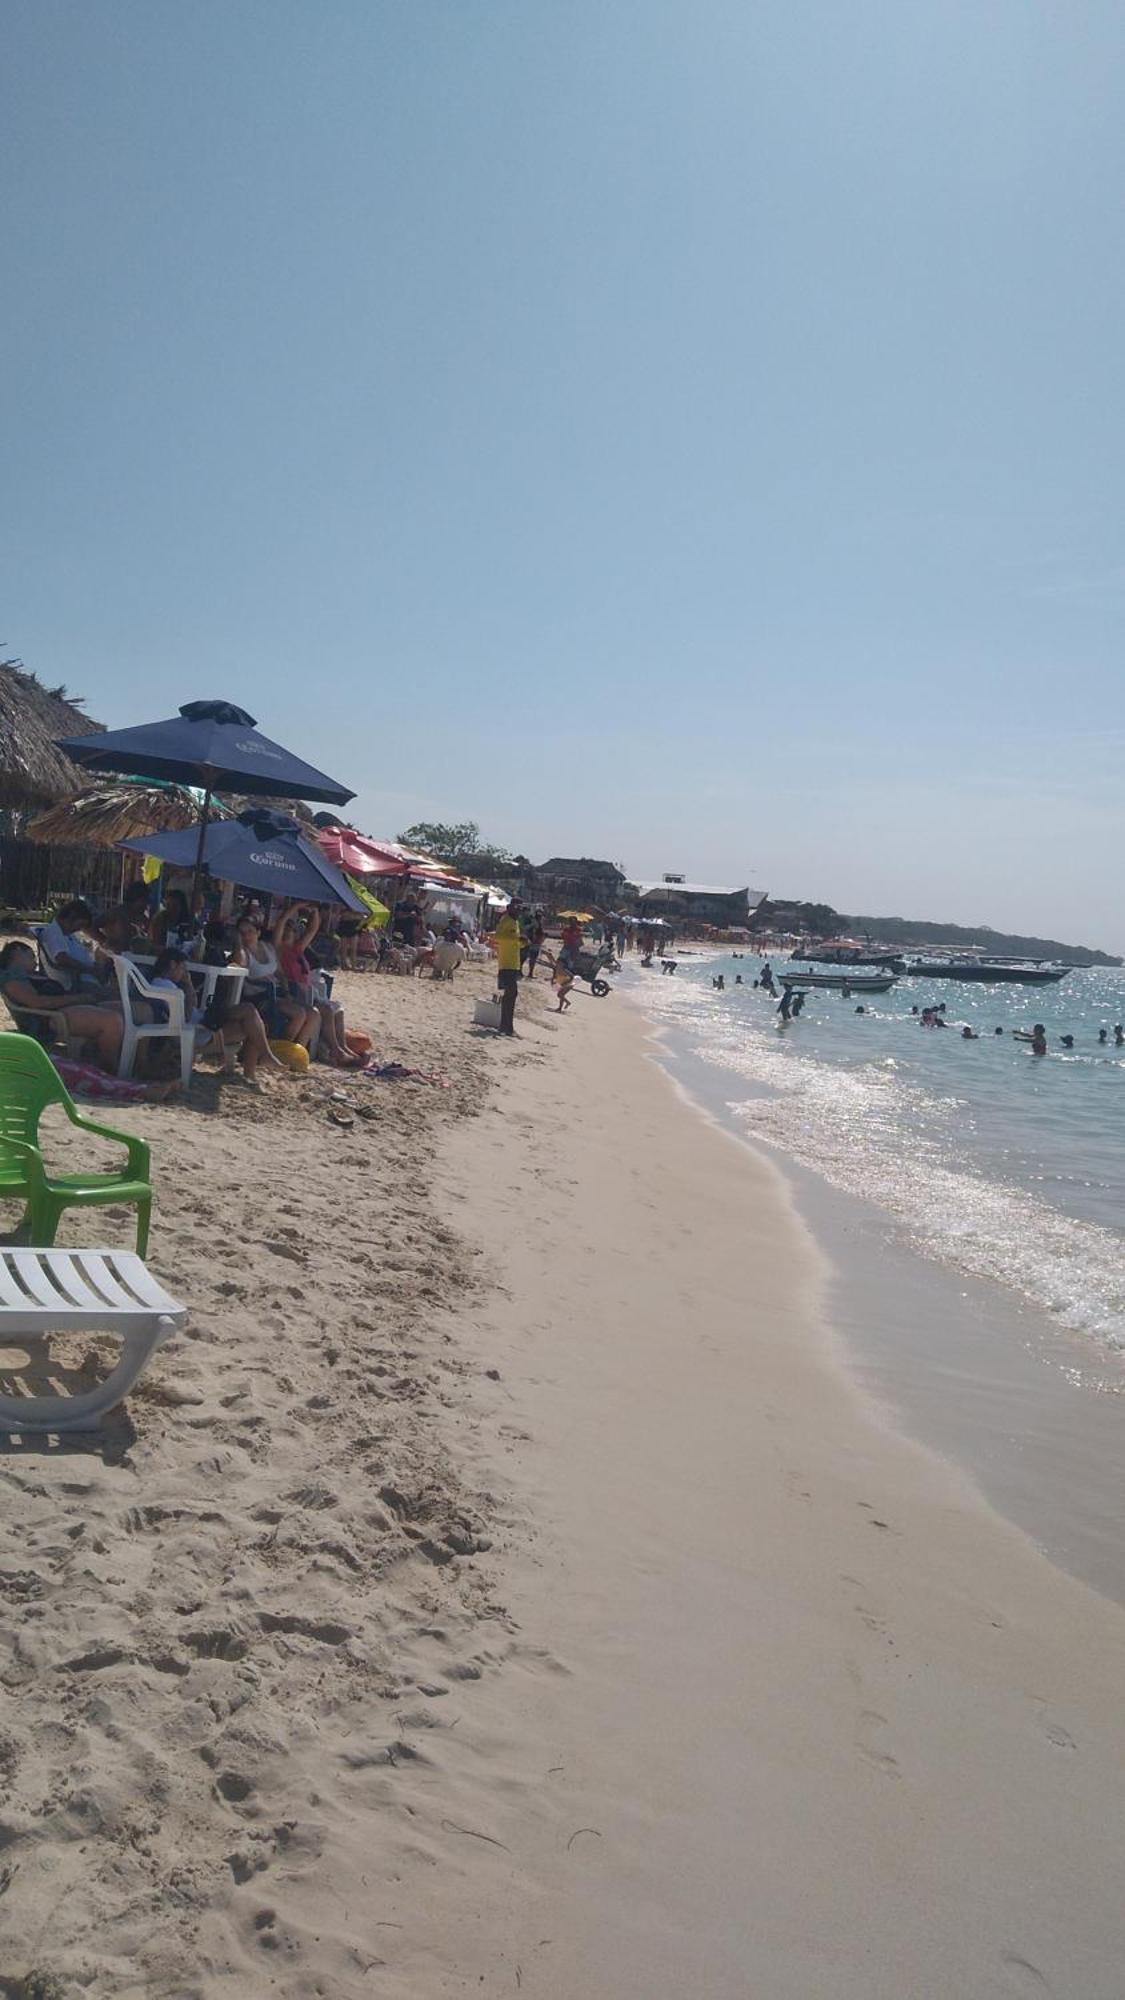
<point x="903" y="933"/>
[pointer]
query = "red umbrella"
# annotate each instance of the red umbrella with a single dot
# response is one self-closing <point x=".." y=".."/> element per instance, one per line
<point x="356" y="855"/>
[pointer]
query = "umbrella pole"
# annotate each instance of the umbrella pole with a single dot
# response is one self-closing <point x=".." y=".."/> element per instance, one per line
<point x="199" y="849"/>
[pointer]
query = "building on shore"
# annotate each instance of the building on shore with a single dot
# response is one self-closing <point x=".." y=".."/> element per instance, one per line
<point x="680" y="902"/>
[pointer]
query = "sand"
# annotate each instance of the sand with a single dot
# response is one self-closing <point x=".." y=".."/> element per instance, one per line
<point x="506" y="1588"/>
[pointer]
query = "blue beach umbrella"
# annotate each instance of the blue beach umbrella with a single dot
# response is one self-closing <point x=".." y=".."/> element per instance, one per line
<point x="259" y="850"/>
<point x="211" y="744"/>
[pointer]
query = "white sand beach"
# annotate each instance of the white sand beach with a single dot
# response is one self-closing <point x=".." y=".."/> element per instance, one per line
<point x="504" y="1587"/>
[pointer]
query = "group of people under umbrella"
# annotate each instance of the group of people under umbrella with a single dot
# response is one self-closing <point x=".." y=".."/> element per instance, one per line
<point x="212" y="746"/>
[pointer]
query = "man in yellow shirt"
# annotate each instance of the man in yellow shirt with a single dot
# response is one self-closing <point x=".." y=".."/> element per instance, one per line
<point x="508" y="941"/>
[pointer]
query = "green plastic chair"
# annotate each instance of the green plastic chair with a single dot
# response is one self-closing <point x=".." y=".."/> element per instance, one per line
<point x="29" y="1082"/>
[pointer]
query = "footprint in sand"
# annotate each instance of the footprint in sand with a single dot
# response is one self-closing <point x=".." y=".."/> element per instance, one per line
<point x="233" y="1787"/>
<point x="875" y="1624"/>
<point x="1052" y="1730"/>
<point x="1025" y="1979"/>
<point x="868" y="1726"/>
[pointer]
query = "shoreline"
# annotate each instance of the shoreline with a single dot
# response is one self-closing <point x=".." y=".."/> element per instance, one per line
<point x="539" y="1604"/>
<point x="820" y="1710"/>
<point x="973" y="1369"/>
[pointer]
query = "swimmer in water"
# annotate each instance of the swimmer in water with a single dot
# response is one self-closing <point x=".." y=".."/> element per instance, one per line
<point x="1119" y="1036"/>
<point x="785" y="1004"/>
<point x="1103" y="1036"/>
<point x="1037" y="1038"/>
<point x="969" y="1034"/>
<point x="1067" y="1041"/>
<point x="997" y="1031"/>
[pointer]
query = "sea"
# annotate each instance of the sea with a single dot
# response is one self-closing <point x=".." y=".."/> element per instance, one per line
<point x="969" y="1199"/>
<point x="978" y="1154"/>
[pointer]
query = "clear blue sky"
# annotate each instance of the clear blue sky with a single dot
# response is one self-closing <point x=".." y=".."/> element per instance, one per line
<point x="683" y="430"/>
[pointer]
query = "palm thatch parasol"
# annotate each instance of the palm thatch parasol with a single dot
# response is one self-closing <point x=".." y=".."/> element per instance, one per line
<point x="109" y="813"/>
<point x="33" y="771"/>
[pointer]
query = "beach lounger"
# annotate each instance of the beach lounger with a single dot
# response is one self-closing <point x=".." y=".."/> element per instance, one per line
<point x="88" y="1291"/>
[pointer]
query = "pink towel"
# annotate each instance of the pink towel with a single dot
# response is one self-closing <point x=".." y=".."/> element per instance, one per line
<point x="83" y="1080"/>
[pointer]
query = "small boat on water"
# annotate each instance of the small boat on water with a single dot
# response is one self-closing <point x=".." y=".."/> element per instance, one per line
<point x="840" y="982"/>
<point x="852" y="954"/>
<point x="989" y="971"/>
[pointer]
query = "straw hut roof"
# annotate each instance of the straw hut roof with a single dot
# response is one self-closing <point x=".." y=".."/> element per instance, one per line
<point x="116" y="810"/>
<point x="121" y="809"/>
<point x="33" y="772"/>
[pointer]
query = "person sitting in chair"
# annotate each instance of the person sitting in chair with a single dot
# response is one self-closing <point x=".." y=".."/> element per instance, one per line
<point x="295" y="932"/>
<point x="287" y="1019"/>
<point x="242" y="1026"/>
<point x="77" y="965"/>
<point x="101" y="1028"/>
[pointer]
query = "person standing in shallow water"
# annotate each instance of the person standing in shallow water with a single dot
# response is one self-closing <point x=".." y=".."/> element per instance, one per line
<point x="1037" y="1038"/>
<point x="508" y="945"/>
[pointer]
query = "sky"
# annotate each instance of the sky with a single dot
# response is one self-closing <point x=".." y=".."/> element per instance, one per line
<point x="688" y="432"/>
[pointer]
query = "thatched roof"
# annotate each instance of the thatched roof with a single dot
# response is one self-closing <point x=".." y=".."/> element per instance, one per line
<point x="115" y="810"/>
<point x="33" y="772"/>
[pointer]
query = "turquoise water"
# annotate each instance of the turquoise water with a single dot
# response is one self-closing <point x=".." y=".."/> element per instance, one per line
<point x="983" y="1156"/>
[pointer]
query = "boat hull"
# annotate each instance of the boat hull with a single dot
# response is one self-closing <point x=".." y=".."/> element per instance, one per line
<point x="838" y="982"/>
<point x="992" y="975"/>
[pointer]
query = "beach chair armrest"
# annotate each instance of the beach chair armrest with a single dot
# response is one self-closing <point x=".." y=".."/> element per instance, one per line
<point x="137" y="1150"/>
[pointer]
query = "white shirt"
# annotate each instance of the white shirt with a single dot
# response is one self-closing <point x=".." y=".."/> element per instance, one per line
<point x="263" y="964"/>
<point x="54" y="942"/>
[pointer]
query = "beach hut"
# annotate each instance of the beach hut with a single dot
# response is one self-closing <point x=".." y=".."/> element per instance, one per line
<point x="34" y="772"/>
<point x="109" y="813"/>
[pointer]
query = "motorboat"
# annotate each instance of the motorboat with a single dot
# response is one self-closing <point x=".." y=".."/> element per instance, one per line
<point x="852" y="954"/>
<point x="840" y="982"/>
<point x="989" y="971"/>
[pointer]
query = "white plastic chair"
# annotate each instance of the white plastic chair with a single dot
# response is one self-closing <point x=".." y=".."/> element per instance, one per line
<point x="131" y="985"/>
<point x="54" y="1017"/>
<point x="88" y="1291"/>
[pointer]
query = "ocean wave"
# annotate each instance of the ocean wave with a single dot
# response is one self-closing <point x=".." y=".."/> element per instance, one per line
<point x="869" y="1131"/>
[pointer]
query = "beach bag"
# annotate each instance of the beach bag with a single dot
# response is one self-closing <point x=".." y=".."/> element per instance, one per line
<point x="486" y="1014"/>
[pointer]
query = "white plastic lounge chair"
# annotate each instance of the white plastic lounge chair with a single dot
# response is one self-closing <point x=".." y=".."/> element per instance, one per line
<point x="88" y="1291"/>
<point x="132" y="985"/>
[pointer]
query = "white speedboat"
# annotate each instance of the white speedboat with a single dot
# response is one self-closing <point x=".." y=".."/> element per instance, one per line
<point x="840" y="982"/>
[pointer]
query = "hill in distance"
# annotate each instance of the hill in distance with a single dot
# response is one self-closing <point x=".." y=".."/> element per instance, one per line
<point x="903" y="932"/>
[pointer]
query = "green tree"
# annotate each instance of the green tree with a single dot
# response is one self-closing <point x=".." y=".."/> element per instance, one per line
<point x="456" y="842"/>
